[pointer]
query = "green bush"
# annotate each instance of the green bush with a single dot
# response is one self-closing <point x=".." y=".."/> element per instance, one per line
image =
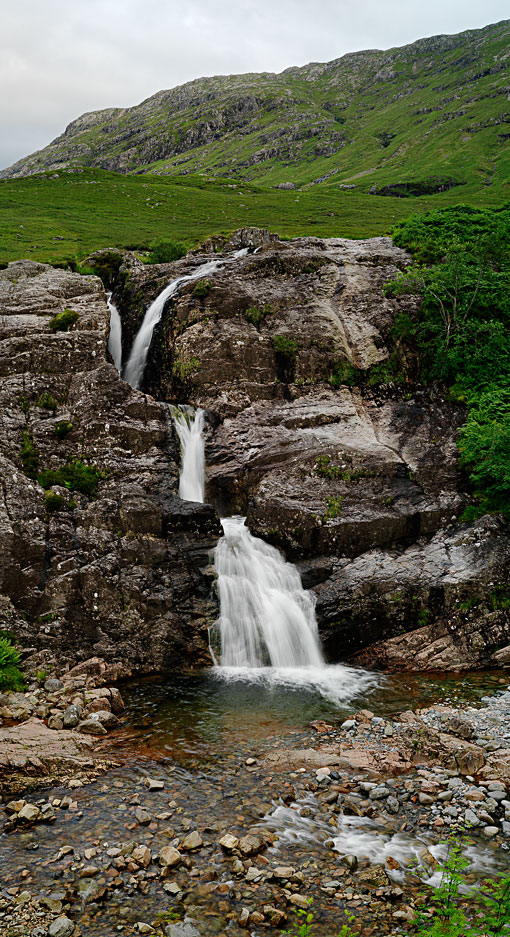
<point x="334" y="508"/>
<point x="257" y="314"/>
<point x="75" y="476"/>
<point x="164" y="252"/>
<point x="202" y="289"/>
<point x="285" y="346"/>
<point x="47" y="402"/>
<point x="344" y="374"/>
<point x="63" y="321"/>
<point x="29" y="456"/>
<point x="11" y="677"/>
<point x="53" y="502"/>
<point x="62" y="429"/>
<point x="484" y="444"/>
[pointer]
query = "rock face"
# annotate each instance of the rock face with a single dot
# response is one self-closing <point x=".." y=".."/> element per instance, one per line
<point x="116" y="574"/>
<point x="315" y="429"/>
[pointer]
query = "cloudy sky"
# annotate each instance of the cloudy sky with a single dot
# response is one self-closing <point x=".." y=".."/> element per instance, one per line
<point x="60" y="58"/>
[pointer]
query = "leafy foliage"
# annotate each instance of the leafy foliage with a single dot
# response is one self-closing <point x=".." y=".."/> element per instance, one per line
<point x="257" y="314"/>
<point x="285" y="346"/>
<point x="202" y="289"/>
<point x="75" y="475"/>
<point x="47" y="402"/>
<point x="460" y="331"/>
<point x="11" y="677"/>
<point x="29" y="456"/>
<point x="165" y="251"/>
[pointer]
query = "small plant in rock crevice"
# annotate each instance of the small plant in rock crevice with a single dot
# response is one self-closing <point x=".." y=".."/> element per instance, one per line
<point x="11" y="677"/>
<point x="64" y="321"/>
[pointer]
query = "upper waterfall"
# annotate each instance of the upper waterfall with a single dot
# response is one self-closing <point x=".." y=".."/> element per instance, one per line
<point x="135" y="367"/>
<point x="189" y="425"/>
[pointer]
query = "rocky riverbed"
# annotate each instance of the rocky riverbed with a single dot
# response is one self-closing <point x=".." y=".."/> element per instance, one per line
<point x="349" y="812"/>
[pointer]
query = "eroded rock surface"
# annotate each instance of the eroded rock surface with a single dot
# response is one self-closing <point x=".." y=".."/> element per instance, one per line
<point x="115" y="573"/>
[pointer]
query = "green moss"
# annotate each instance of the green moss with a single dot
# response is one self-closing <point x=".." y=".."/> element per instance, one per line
<point x="344" y="374"/>
<point x="65" y="320"/>
<point x="285" y="346"/>
<point x="29" y="456"/>
<point x="53" y="502"/>
<point x="62" y="429"/>
<point x="75" y="476"/>
<point x="184" y="369"/>
<point x="202" y="289"/>
<point x="325" y="468"/>
<point x="256" y="314"/>
<point x="47" y="402"/>
<point x="334" y="508"/>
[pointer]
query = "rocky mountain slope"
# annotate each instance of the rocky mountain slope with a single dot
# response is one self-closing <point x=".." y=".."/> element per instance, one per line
<point x="315" y="429"/>
<point x="434" y="113"/>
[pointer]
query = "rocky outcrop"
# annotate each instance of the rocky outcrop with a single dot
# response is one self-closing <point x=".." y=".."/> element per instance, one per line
<point x="108" y="563"/>
<point x="316" y="429"/>
<point x="318" y="432"/>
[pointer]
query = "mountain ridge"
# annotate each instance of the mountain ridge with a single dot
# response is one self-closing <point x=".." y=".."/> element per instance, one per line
<point x="429" y="109"/>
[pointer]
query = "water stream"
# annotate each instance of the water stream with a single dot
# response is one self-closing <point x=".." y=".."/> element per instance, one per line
<point x="135" y="367"/>
<point x="189" y="425"/>
<point x="115" y="339"/>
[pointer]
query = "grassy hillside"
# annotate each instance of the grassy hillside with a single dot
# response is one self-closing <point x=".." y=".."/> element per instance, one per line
<point x="434" y="112"/>
<point x="51" y="217"/>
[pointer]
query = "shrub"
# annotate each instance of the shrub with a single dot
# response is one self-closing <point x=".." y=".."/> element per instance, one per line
<point x="164" y="252"/>
<point x="334" y="508"/>
<point x="47" y="402"/>
<point x="344" y="374"/>
<point x="63" y="321"/>
<point x="202" y="289"/>
<point x="285" y="346"/>
<point x="75" y="476"/>
<point x="62" y="429"/>
<point x="325" y="468"/>
<point x="53" y="502"/>
<point x="484" y="444"/>
<point x="256" y="314"/>
<point x="29" y="456"/>
<point x="11" y="677"/>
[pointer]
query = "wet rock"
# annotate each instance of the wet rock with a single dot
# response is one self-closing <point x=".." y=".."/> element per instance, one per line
<point x="92" y="727"/>
<point x="229" y="842"/>
<point x="142" y="856"/>
<point x="61" y="927"/>
<point x="299" y="901"/>
<point x="142" y="816"/>
<point x="490" y="831"/>
<point x="192" y="841"/>
<point x="169" y="857"/>
<point x="52" y="685"/>
<point x="56" y="722"/>
<point x="252" y="844"/>
<point x="72" y="716"/>
<point x="153" y="784"/>
<point x="29" y="813"/>
<point x="184" y="929"/>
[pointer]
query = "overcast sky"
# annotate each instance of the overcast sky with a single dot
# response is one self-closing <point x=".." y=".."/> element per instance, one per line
<point x="60" y="58"/>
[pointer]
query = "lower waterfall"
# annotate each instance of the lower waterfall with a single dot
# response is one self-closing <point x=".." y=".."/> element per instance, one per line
<point x="267" y="629"/>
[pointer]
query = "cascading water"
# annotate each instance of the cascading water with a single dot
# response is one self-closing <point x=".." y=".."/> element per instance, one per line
<point x="115" y="339"/>
<point x="135" y="367"/>
<point x="267" y="619"/>
<point x="189" y="424"/>
<point x="267" y="630"/>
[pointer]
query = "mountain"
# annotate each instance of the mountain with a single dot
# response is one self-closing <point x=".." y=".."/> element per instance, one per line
<point x="431" y="114"/>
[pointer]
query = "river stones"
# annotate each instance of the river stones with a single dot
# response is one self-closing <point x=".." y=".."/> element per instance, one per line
<point x="169" y="857"/>
<point x="61" y="927"/>
<point x="192" y="841"/>
<point x="228" y="842"/>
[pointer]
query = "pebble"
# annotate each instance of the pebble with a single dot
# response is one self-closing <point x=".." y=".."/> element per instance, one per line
<point x="61" y="927"/>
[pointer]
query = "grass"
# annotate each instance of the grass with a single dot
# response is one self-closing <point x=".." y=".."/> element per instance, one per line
<point x="66" y="218"/>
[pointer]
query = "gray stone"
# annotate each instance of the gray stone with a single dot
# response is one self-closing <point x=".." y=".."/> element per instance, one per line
<point x="471" y="818"/>
<point x="72" y="716"/>
<point x="52" y="685"/>
<point x="185" y="929"/>
<point x="61" y="927"/>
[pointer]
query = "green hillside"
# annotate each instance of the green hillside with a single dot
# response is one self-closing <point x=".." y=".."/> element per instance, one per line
<point x="358" y="143"/>
<point x="434" y="112"/>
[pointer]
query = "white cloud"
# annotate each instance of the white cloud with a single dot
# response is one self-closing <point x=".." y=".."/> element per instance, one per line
<point x="61" y="58"/>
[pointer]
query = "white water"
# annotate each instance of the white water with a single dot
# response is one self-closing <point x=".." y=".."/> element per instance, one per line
<point x="267" y="630"/>
<point x="189" y="424"/>
<point x="135" y="367"/>
<point x="359" y="836"/>
<point x="115" y="339"/>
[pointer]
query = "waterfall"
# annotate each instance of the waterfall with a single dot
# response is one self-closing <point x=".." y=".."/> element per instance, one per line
<point x="189" y="425"/>
<point x="267" y="618"/>
<point x="135" y="367"/>
<point x="115" y="338"/>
